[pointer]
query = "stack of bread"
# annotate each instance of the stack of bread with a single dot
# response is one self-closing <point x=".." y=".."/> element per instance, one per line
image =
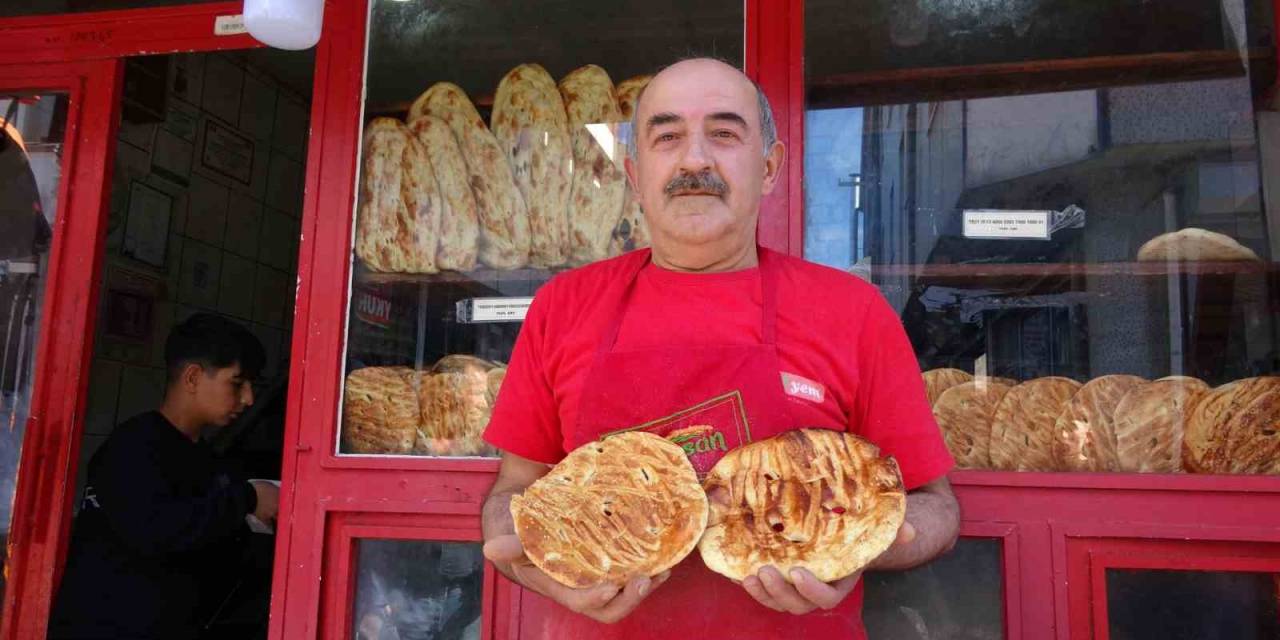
<point x="439" y="411"/>
<point x="541" y="185"/>
<point x="1111" y="423"/>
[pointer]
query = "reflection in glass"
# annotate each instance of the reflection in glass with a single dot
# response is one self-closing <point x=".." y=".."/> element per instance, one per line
<point x="31" y="137"/>
<point x="956" y="597"/>
<point x="418" y="590"/>
<point x="1191" y="605"/>
<point x="492" y="159"/>
<point x="1098" y="209"/>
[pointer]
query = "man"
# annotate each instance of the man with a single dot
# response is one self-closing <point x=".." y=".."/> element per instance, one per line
<point x="161" y="525"/>
<point x="683" y="335"/>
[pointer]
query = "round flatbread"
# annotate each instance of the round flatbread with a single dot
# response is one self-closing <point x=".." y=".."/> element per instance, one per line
<point x="1022" y="428"/>
<point x="1149" y="423"/>
<point x="1085" y="437"/>
<point x="1235" y="428"/>
<point x="964" y="414"/>
<point x="1192" y="245"/>
<point x="822" y="500"/>
<point x="626" y="506"/>
<point x="938" y="380"/>
<point x="379" y="411"/>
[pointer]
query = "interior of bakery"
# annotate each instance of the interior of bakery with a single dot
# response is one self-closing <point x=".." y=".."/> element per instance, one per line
<point x="204" y="217"/>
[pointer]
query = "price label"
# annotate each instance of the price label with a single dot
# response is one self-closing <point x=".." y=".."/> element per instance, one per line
<point x="493" y="309"/>
<point x="229" y="25"/>
<point x="1000" y="224"/>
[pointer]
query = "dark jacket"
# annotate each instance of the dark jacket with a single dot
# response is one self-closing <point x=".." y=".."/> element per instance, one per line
<point x="156" y="544"/>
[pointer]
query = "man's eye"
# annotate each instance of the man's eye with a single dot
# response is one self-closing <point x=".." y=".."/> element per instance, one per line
<point x="724" y="133"/>
<point x="665" y="137"/>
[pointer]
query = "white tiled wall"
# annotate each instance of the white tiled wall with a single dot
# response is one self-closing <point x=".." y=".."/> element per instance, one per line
<point x="232" y="246"/>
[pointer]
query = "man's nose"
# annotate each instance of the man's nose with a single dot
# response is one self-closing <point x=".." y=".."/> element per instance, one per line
<point x="695" y="159"/>
<point x="246" y="395"/>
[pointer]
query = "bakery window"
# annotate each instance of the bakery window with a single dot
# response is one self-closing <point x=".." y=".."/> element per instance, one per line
<point x="1146" y="603"/>
<point x="492" y="159"/>
<point x="417" y="589"/>
<point x="1072" y="208"/>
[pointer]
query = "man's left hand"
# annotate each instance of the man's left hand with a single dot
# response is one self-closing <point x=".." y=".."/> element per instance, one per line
<point x="805" y="593"/>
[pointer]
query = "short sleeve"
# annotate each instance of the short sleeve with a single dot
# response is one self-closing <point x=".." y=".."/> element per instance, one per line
<point x="525" y="420"/>
<point x="891" y="408"/>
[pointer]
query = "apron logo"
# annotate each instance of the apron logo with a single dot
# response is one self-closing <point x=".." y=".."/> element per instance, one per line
<point x="698" y="439"/>
<point x="803" y="388"/>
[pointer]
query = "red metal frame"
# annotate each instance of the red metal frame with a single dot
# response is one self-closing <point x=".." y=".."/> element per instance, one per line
<point x="66" y="333"/>
<point x="1048" y="523"/>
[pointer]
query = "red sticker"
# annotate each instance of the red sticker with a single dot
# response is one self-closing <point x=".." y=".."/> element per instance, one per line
<point x="803" y="388"/>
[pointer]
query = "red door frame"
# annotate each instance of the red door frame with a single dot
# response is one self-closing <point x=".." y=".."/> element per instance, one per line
<point x="65" y="335"/>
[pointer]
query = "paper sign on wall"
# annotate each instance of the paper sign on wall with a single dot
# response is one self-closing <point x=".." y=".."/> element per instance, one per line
<point x="229" y="25"/>
<point x="1001" y="224"/>
<point x="493" y="309"/>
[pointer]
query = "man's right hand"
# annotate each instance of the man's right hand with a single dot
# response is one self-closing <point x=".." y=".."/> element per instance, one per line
<point x="268" y="501"/>
<point x="603" y="602"/>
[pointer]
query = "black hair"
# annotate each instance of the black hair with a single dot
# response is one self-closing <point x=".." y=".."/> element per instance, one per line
<point x="213" y="342"/>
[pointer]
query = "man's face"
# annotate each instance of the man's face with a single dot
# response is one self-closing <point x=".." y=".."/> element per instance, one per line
<point x="700" y="168"/>
<point x="222" y="394"/>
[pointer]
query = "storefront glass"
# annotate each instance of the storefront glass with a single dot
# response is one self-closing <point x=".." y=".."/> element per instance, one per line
<point x="484" y="128"/>
<point x="1067" y="204"/>
<point x="415" y="590"/>
<point x="1189" y="605"/>
<point x="958" y="597"/>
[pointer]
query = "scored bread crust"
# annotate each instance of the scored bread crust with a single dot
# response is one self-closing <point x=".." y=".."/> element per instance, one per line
<point x="1022" y="428"/>
<point x="599" y="185"/>
<point x="937" y="381"/>
<point x="459" y="222"/>
<point x="1235" y="428"/>
<point x="1085" y="436"/>
<point x="1149" y="423"/>
<point x="964" y="414"/>
<point x="379" y="411"/>
<point x="815" y="499"/>
<point x="504" y="218"/>
<point x="529" y="122"/>
<point x="625" y="506"/>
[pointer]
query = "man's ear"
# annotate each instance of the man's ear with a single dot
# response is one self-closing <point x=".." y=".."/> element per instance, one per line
<point x="630" y="166"/>
<point x="190" y="376"/>
<point x="773" y="163"/>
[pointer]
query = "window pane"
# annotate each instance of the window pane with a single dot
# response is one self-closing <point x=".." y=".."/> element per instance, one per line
<point x="1191" y="605"/>
<point x="46" y="7"/>
<point x="413" y="590"/>
<point x="1065" y="213"/>
<point x="462" y="218"/>
<point x="956" y="597"/>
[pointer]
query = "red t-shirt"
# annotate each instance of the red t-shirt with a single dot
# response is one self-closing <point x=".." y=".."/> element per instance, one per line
<point x="833" y="329"/>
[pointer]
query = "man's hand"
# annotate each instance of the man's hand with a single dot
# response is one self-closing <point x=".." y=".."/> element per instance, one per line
<point x="268" y="501"/>
<point x="806" y="593"/>
<point x="603" y="602"/>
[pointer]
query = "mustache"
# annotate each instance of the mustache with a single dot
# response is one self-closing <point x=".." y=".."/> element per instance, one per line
<point x="705" y="181"/>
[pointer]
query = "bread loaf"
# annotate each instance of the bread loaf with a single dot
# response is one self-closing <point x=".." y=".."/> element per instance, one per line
<point x="1149" y="423"/>
<point x="629" y="93"/>
<point x="937" y="381"/>
<point x="964" y="414"/>
<point x="1022" y="428"/>
<point x="821" y="500"/>
<point x="384" y="239"/>
<point x="529" y="122"/>
<point x="379" y="411"/>
<point x="625" y="506"/>
<point x="504" y="219"/>
<point x="459" y="222"/>
<point x="1194" y="244"/>
<point x="1086" y="437"/>
<point x="1235" y="428"/>
<point x="454" y="406"/>
<point x="599" y="186"/>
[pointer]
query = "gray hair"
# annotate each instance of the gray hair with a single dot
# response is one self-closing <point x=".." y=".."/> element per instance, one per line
<point x="768" y="128"/>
